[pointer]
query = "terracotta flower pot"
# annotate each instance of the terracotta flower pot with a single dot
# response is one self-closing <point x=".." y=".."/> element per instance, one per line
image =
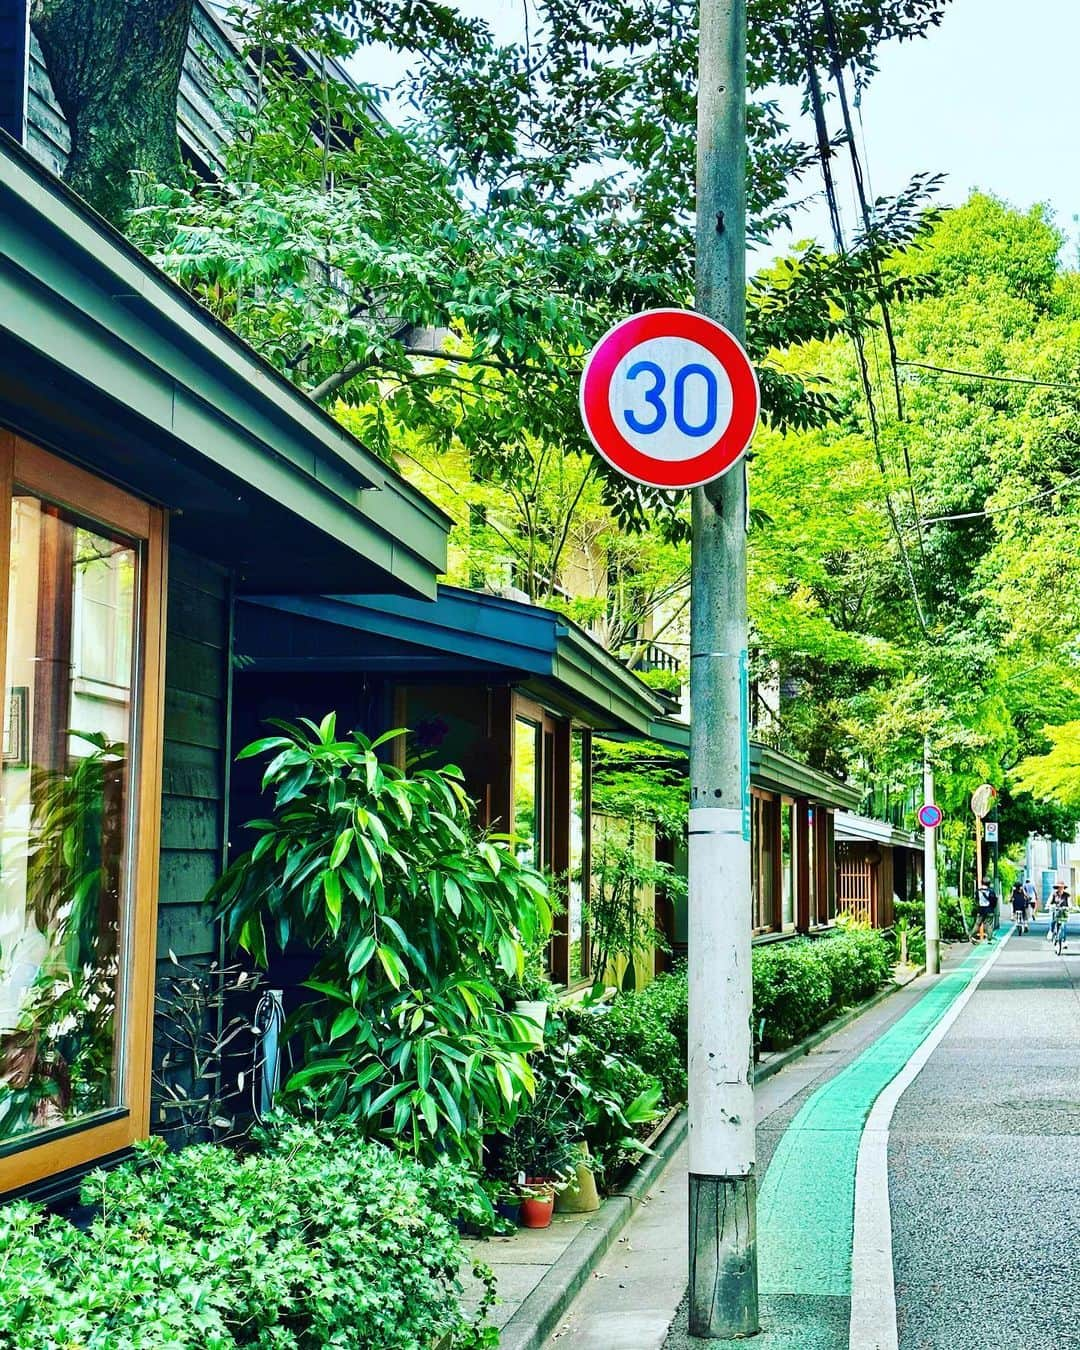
<point x="537" y="1206"/>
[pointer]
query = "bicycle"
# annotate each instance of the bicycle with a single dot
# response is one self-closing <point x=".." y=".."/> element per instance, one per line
<point x="1059" y="928"/>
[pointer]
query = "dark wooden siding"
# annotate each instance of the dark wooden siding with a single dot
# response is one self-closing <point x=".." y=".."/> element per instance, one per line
<point x="199" y="123"/>
<point x="193" y="800"/>
<point x="13" y="57"/>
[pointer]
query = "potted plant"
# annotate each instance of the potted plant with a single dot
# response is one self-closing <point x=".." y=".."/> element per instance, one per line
<point x="530" y="995"/>
<point x="540" y="1152"/>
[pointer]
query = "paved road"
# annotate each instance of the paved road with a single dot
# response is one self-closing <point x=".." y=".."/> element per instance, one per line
<point x="984" y="1165"/>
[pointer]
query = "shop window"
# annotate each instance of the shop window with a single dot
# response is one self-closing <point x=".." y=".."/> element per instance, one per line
<point x="79" y="802"/>
<point x="788" y="874"/>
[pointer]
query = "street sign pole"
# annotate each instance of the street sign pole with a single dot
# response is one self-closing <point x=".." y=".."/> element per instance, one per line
<point x="723" y="1301"/>
<point x="930" y="881"/>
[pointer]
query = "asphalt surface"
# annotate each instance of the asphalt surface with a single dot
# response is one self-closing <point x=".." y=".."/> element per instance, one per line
<point x="984" y="1165"/>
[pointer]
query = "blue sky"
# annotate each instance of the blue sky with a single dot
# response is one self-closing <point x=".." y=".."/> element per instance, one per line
<point x="991" y="99"/>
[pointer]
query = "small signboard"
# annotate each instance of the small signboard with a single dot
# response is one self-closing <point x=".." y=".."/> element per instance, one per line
<point x="669" y="398"/>
<point x="930" y="816"/>
<point x="990" y="831"/>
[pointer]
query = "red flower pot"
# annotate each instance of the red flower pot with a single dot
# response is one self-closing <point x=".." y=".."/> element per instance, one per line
<point x="537" y="1206"/>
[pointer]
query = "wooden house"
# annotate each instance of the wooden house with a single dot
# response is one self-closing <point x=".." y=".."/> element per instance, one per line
<point x="154" y="473"/>
<point x="877" y="863"/>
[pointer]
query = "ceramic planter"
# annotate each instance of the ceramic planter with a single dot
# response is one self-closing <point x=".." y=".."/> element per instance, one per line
<point x="579" y="1195"/>
<point x="538" y="1204"/>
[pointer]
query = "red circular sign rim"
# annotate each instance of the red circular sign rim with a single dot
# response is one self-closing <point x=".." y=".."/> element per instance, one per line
<point x="596" y="378"/>
<point x="932" y="810"/>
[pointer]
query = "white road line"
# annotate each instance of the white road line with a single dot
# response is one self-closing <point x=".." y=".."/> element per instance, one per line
<point x="873" y="1291"/>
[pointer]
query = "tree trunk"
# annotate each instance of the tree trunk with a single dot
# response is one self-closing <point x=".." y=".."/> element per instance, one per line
<point x="115" y="69"/>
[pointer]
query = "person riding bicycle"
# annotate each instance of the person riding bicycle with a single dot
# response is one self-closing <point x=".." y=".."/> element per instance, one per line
<point x="986" y="902"/>
<point x="1019" y="907"/>
<point x="1059" y="914"/>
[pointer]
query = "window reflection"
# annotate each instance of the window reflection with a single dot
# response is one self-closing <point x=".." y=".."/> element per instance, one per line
<point x="579" y="859"/>
<point x="527" y="790"/>
<point x="787" y="861"/>
<point x="64" y="798"/>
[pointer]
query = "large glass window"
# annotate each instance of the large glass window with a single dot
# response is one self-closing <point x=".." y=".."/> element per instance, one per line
<point x="580" y="866"/>
<point x="64" y="869"/>
<point x="527" y="798"/>
<point x="80" y="664"/>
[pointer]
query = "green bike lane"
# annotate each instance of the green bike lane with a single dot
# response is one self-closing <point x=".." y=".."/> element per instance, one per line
<point x="809" y="1154"/>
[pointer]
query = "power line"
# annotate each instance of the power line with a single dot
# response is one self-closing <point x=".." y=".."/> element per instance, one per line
<point x="1001" y="510"/>
<point x="985" y="375"/>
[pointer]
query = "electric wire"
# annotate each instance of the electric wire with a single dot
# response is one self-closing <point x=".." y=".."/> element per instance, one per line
<point x="998" y="379"/>
<point x="817" y="104"/>
<point x="875" y="262"/>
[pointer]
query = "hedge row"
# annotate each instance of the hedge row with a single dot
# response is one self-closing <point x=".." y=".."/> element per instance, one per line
<point x="316" y="1240"/>
<point x="798" y="985"/>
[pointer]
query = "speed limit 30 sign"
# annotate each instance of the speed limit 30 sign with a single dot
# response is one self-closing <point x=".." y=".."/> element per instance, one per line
<point x="669" y="398"/>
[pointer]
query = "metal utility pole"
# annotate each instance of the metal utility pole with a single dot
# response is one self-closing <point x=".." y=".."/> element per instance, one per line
<point x="930" y="882"/>
<point x="723" y="1196"/>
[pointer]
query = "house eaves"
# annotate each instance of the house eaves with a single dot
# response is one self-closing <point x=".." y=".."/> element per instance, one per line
<point x="865" y="829"/>
<point x="548" y="657"/>
<point x="102" y="350"/>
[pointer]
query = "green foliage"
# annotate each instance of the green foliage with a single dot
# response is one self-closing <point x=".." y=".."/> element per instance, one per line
<point x="1055" y="774"/>
<point x="798" y="984"/>
<point x="412" y="914"/>
<point x="317" y="1239"/>
<point x="628" y="1027"/>
<point x="858" y="962"/>
<point x="584" y="1091"/>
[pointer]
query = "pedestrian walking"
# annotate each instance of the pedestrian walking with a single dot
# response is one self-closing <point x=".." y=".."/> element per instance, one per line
<point x="1032" y="897"/>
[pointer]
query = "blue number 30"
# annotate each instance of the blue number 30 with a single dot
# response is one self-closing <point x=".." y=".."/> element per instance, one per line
<point x="654" y="397"/>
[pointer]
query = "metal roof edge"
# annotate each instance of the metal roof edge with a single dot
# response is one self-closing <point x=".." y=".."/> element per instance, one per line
<point x="852" y="826"/>
<point x="774" y="767"/>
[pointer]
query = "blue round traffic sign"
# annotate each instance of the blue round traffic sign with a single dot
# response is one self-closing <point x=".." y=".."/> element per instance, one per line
<point x="930" y="816"/>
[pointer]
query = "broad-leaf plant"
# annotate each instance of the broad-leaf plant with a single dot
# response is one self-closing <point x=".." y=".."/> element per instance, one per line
<point x="411" y="913"/>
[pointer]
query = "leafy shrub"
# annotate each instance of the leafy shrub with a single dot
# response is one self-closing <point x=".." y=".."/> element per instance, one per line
<point x="630" y="1028"/>
<point x="792" y="990"/>
<point x="797" y="984"/>
<point x="619" y="1101"/>
<point x="950" y="917"/>
<point x="665" y="1000"/>
<point x="858" y="961"/>
<point x="317" y="1240"/>
<point x="411" y="912"/>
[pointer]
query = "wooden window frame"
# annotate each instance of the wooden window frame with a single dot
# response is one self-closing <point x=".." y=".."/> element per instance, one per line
<point x="766" y="807"/>
<point x="77" y="1144"/>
